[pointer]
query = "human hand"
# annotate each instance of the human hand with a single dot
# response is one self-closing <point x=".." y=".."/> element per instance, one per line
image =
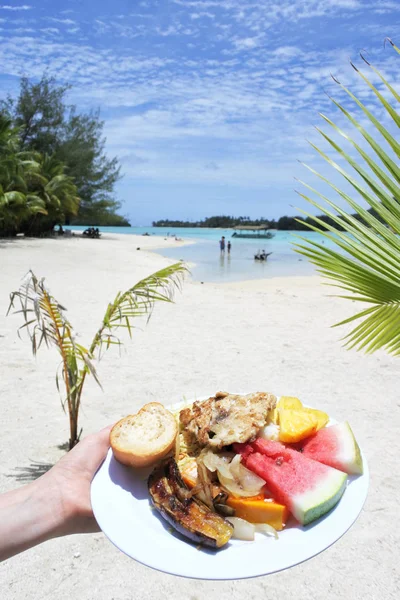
<point x="56" y="504"/>
<point x="68" y="483"/>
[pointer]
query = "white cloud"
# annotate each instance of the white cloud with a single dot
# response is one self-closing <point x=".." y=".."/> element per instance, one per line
<point x="62" y="21"/>
<point x="51" y="30"/>
<point x="23" y="30"/>
<point x="16" y="8"/>
<point x="246" y="43"/>
<point x="171" y="30"/>
<point x="286" y="52"/>
<point x="200" y="15"/>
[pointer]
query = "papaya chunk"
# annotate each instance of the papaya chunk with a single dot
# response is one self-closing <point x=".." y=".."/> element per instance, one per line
<point x="259" y="509"/>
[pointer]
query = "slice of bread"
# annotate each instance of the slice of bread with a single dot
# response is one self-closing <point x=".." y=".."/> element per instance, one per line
<point x="143" y="439"/>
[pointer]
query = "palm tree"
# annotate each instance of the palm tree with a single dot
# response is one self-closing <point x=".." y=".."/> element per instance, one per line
<point x="56" y="189"/>
<point x="35" y="191"/>
<point x="45" y="321"/>
<point x="60" y="191"/>
<point x="16" y="202"/>
<point x="366" y="265"/>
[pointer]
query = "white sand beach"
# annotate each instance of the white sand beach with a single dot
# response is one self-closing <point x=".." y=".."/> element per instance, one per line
<point x="271" y="335"/>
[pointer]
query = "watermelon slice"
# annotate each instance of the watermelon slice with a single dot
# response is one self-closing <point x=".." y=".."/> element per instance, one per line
<point x="335" y="446"/>
<point x="308" y="488"/>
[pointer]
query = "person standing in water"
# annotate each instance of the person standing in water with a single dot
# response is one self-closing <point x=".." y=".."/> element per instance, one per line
<point x="222" y="244"/>
<point x="229" y="247"/>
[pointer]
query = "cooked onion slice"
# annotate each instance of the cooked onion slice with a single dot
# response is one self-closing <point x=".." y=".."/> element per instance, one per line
<point x="242" y="530"/>
<point x="241" y="482"/>
<point x="235" y="478"/>
<point x="219" y="462"/>
<point x="267" y="529"/>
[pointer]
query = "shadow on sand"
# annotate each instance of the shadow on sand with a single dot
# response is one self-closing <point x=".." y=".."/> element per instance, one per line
<point x="4" y="242"/>
<point x="29" y="473"/>
<point x="64" y="446"/>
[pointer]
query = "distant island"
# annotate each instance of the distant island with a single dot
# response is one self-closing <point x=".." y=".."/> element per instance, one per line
<point x="297" y="223"/>
<point x="225" y="222"/>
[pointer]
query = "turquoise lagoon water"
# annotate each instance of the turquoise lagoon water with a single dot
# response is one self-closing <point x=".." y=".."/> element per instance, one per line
<point x="210" y="265"/>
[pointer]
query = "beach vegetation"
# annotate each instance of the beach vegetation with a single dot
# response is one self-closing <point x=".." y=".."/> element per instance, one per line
<point x="46" y="126"/>
<point x="362" y="256"/>
<point x="285" y="223"/>
<point x="45" y="321"/>
<point x="35" y="192"/>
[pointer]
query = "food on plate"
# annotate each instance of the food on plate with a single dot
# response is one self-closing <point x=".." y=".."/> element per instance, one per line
<point x="295" y="421"/>
<point x="227" y="418"/>
<point x="296" y="425"/>
<point x="321" y="416"/>
<point x="308" y="488"/>
<point x="335" y="446"/>
<point x="259" y="509"/>
<point x="143" y="439"/>
<point x="234" y="465"/>
<point x="243" y="530"/>
<point x="178" y="505"/>
<point x="226" y="469"/>
<point x="289" y="402"/>
<point x="254" y="509"/>
<point x="270" y="432"/>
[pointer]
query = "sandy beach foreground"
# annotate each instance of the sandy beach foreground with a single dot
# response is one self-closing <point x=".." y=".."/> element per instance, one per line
<point x="271" y="335"/>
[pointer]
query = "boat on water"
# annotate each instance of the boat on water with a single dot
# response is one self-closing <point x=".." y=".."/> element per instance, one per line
<point x="262" y="256"/>
<point x="253" y="232"/>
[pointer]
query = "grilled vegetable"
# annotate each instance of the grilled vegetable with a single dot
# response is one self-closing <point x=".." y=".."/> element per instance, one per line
<point x="183" y="511"/>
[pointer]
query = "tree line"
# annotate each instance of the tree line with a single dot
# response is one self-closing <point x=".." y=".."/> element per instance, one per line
<point x="226" y="222"/>
<point x="53" y="165"/>
<point x="297" y="223"/>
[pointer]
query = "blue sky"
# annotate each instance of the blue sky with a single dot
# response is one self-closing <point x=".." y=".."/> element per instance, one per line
<point x="208" y="104"/>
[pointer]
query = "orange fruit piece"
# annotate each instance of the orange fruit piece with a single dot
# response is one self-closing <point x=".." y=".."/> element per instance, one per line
<point x="289" y="402"/>
<point x="296" y="425"/>
<point x="322" y="417"/>
<point x="273" y="416"/>
<point x="284" y="402"/>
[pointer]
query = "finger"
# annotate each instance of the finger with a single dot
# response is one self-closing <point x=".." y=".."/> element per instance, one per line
<point x="91" y="451"/>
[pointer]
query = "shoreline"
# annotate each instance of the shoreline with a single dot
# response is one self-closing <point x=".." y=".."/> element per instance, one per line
<point x="136" y="237"/>
<point x="153" y="243"/>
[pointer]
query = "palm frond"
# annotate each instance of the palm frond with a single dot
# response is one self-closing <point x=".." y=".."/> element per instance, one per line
<point x="380" y="328"/>
<point x="45" y="322"/>
<point x="138" y="301"/>
<point x="362" y="253"/>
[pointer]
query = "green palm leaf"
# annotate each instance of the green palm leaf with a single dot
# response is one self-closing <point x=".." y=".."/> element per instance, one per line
<point x="15" y="198"/>
<point x="136" y="302"/>
<point x="362" y="254"/>
<point x="46" y="323"/>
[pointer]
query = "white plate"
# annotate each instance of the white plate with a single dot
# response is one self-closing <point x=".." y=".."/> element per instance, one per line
<point x="120" y="503"/>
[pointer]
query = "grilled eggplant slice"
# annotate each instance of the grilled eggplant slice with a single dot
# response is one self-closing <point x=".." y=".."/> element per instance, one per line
<point x="186" y="514"/>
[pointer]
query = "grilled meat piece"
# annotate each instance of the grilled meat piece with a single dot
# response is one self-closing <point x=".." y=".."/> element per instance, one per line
<point x="227" y="418"/>
<point x="186" y="514"/>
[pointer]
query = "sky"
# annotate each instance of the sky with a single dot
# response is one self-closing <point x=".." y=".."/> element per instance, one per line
<point x="210" y="105"/>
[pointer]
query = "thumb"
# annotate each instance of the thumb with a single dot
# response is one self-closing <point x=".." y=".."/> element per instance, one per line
<point x="91" y="451"/>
